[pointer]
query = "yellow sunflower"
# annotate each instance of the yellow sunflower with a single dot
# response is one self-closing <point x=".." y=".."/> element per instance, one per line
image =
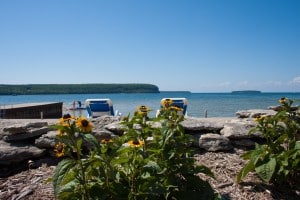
<point x="282" y="100"/>
<point x="106" y="140"/>
<point x="136" y="143"/>
<point x="259" y="118"/>
<point x="143" y="110"/>
<point x="64" y="121"/>
<point x="84" y="124"/>
<point x="167" y="103"/>
<point x="60" y="149"/>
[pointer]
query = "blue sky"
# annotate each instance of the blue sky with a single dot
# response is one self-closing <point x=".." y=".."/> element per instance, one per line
<point x="195" y="45"/>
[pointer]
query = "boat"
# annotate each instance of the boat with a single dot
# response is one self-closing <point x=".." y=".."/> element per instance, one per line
<point x="99" y="107"/>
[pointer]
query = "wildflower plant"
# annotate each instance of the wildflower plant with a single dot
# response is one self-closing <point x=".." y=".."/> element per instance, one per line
<point x="278" y="160"/>
<point x="151" y="160"/>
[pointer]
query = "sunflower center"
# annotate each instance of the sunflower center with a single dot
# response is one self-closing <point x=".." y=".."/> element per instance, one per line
<point x="66" y="116"/>
<point x="84" y="123"/>
<point x="136" y="142"/>
<point x="60" y="148"/>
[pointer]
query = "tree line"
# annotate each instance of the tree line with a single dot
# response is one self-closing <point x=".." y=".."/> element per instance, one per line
<point x="76" y="88"/>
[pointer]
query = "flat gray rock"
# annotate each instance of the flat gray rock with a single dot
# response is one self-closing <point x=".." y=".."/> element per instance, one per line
<point x="18" y="152"/>
<point x="214" y="142"/>
<point x="239" y="129"/>
<point x="198" y="125"/>
<point x="28" y="134"/>
<point x="252" y="113"/>
<point x="47" y="140"/>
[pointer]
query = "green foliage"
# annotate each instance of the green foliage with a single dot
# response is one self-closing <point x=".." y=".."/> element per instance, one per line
<point x="151" y="160"/>
<point x="76" y="89"/>
<point x="278" y="160"/>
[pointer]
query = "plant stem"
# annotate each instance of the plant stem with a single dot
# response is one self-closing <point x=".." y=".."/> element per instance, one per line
<point x="86" y="193"/>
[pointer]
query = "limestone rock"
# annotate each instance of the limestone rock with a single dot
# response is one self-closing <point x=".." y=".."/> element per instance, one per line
<point x="115" y="127"/>
<point x="103" y="135"/>
<point x="213" y="124"/>
<point x="47" y="140"/>
<point x="17" y="152"/>
<point x="214" y="142"/>
<point x="31" y="133"/>
<point x="15" y="129"/>
<point x="254" y="113"/>
<point x="244" y="143"/>
<point x="101" y="122"/>
<point x="239" y="129"/>
<point x="36" y="124"/>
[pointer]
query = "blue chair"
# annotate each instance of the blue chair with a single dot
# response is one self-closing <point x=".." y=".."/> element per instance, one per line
<point x="99" y="107"/>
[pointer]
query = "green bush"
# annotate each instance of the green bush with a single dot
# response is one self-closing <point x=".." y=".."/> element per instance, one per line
<point x="278" y="160"/>
<point x="151" y="160"/>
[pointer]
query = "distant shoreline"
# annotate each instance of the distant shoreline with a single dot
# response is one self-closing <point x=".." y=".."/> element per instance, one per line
<point x="246" y="92"/>
<point x="97" y="88"/>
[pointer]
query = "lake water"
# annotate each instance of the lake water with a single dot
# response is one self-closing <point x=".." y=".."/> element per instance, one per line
<point x="216" y="104"/>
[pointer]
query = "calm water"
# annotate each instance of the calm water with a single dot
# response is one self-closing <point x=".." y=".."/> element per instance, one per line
<point x="216" y="104"/>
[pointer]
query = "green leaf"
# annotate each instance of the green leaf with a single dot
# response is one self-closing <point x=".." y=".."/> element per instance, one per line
<point x="79" y="143"/>
<point x="120" y="160"/>
<point x="297" y="145"/>
<point x="266" y="170"/>
<point x="91" y="139"/>
<point x="204" y="170"/>
<point x="67" y="191"/>
<point x="61" y="171"/>
<point x="245" y="170"/>
<point x="153" y="166"/>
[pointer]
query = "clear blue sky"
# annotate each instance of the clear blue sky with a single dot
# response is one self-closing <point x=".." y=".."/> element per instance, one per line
<point x="195" y="45"/>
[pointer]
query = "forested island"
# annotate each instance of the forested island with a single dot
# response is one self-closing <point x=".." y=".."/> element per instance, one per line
<point x="77" y="88"/>
<point x="246" y="92"/>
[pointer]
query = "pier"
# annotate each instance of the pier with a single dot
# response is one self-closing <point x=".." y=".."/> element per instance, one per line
<point x="47" y="110"/>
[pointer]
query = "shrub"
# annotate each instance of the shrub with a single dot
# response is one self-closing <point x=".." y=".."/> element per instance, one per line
<point x="278" y="160"/>
<point x="151" y="160"/>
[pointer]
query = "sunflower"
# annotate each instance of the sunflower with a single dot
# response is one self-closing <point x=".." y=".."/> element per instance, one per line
<point x="166" y="103"/>
<point x="143" y="110"/>
<point x="60" y="149"/>
<point x="136" y="143"/>
<point x="106" y="140"/>
<point x="259" y="118"/>
<point x="282" y="100"/>
<point x="64" y="121"/>
<point x="84" y="124"/>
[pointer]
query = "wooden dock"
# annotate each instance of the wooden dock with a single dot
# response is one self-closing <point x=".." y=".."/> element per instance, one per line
<point x="44" y="110"/>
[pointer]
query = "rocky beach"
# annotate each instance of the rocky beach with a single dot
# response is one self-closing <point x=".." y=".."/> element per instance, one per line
<point x="27" y="160"/>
